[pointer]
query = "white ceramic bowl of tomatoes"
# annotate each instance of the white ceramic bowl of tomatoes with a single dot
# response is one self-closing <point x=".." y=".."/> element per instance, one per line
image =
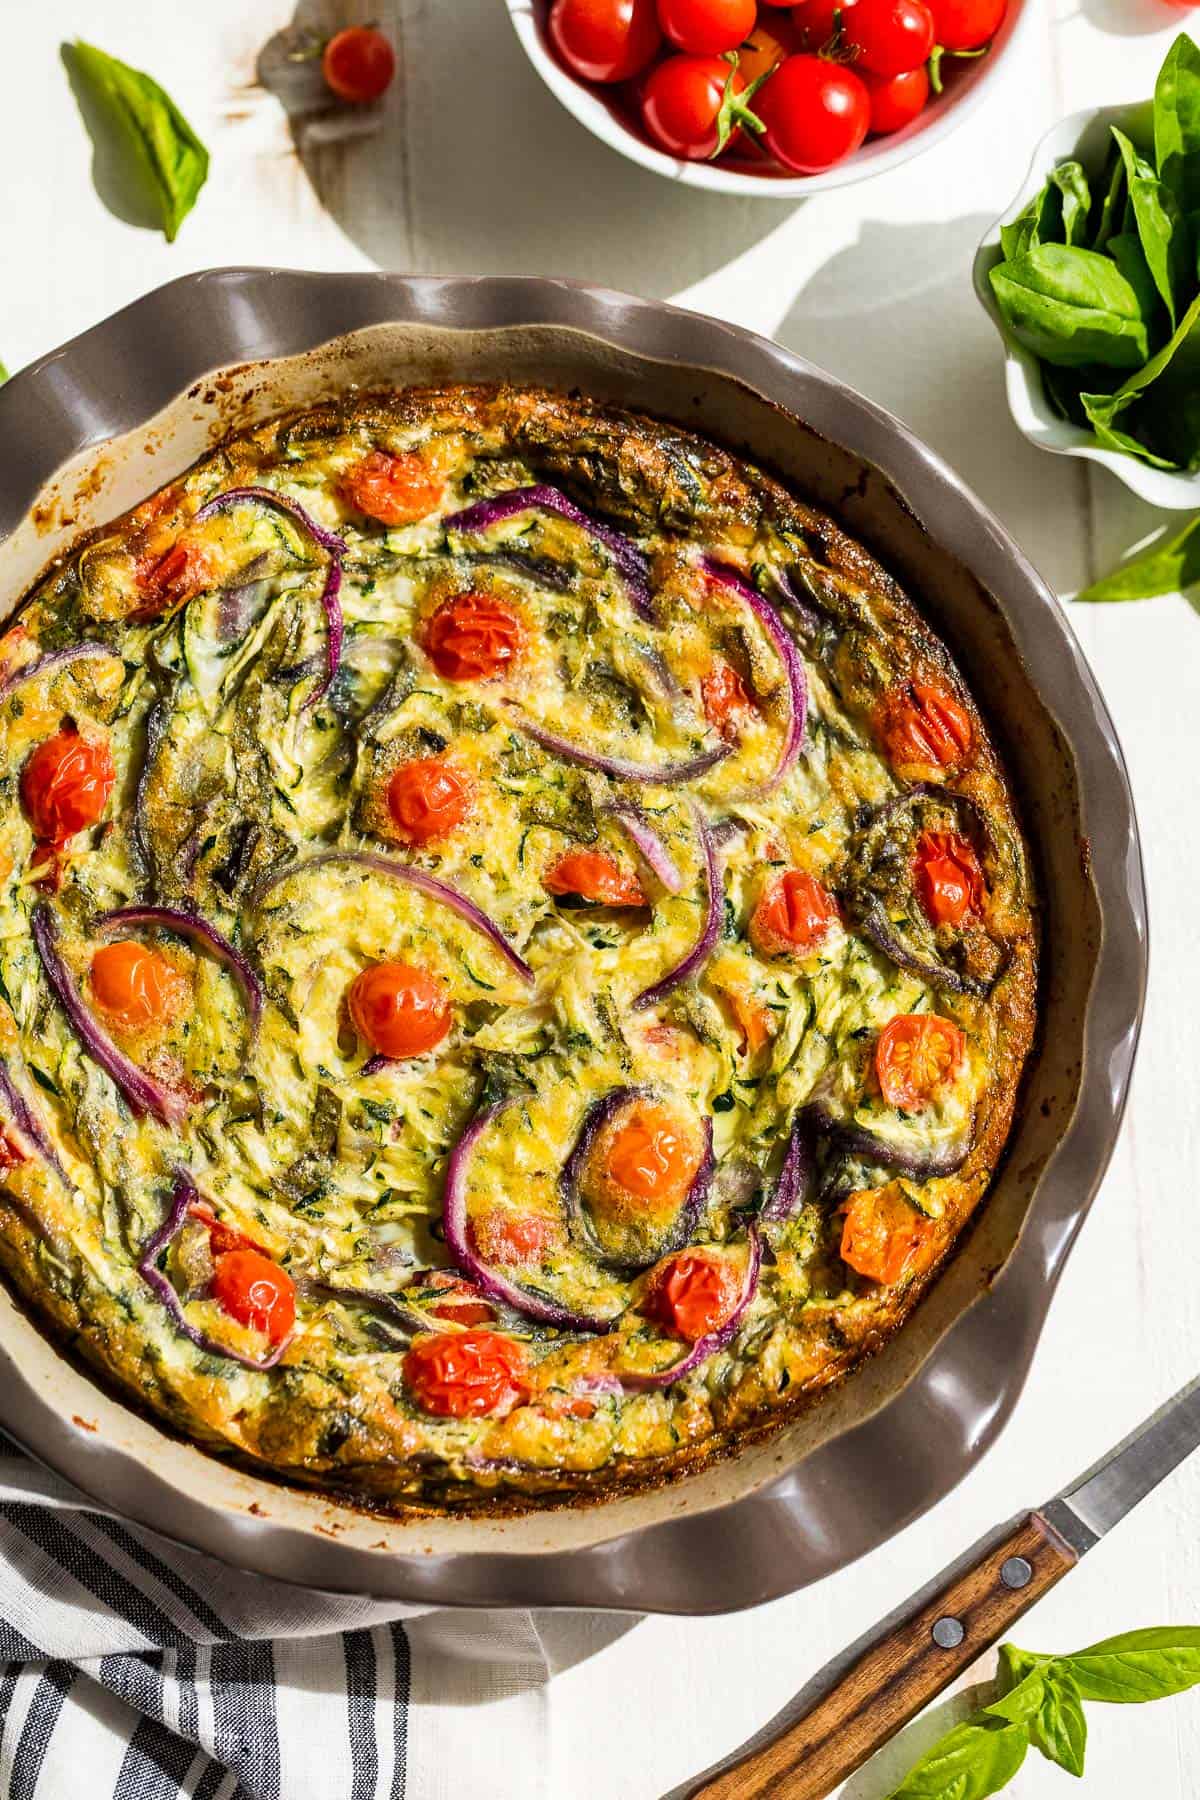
<point x="755" y="97"/>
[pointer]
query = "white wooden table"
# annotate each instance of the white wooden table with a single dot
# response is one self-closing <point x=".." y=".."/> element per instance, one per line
<point x="478" y="170"/>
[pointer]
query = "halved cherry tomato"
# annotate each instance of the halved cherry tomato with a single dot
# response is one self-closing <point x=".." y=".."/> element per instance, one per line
<point x="649" y="1154"/>
<point x="816" y="113"/>
<point x="461" y="1303"/>
<point x="896" y="100"/>
<point x="916" y="1053"/>
<point x="396" y="490"/>
<point x="967" y="24"/>
<point x="725" y="699"/>
<point x="923" y="724"/>
<point x="889" y="37"/>
<point x="427" y="799"/>
<point x="358" y="64"/>
<point x="693" y="1293"/>
<point x="707" y="27"/>
<point x="400" y="1011"/>
<point x="518" y="1239"/>
<point x="170" y="579"/>
<point x="466" y="1374"/>
<point x="882" y="1234"/>
<point x="256" y="1292"/>
<point x="66" y="784"/>
<point x="794" y="914"/>
<point x="221" y="1237"/>
<point x="605" y="40"/>
<point x="135" y="986"/>
<point x="473" y="637"/>
<point x="755" y="1021"/>
<point x="596" y="876"/>
<point x="947" y="875"/>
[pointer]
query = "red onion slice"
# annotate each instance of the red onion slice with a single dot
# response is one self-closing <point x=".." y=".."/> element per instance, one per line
<point x="666" y="775"/>
<point x="54" y="659"/>
<point x="454" y="1218"/>
<point x="795" y="1178"/>
<point x="27" y="1125"/>
<point x="883" y="934"/>
<point x="328" y="540"/>
<point x="191" y="925"/>
<point x="856" y="1140"/>
<point x="649" y="846"/>
<point x="701" y="950"/>
<point x="705" y="1347"/>
<point x="183" y="1196"/>
<point x="143" y="1092"/>
<point x="789" y="656"/>
<point x="387" y="1306"/>
<point x="415" y="878"/>
<point x="597" y="1116"/>
<point x="631" y="563"/>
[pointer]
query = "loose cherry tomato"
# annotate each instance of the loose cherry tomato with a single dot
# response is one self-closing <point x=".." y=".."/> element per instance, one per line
<point x="947" y="876"/>
<point x="466" y="1374"/>
<point x="358" y="64"/>
<point x="967" y="24"/>
<point x="427" y="799"/>
<point x="889" y="37"/>
<point x="882" y="1234"/>
<point x="605" y="40"/>
<point x="461" y="1303"/>
<point x="502" y="1234"/>
<point x="707" y="27"/>
<point x="66" y="784"/>
<point x="896" y="100"/>
<point x="135" y="986"/>
<point x="171" y="578"/>
<point x="472" y="637"/>
<point x="915" y="1055"/>
<point x="681" y="104"/>
<point x="400" y="1011"/>
<point x="256" y="1292"/>
<point x="596" y="876"/>
<point x="815" y="113"/>
<point x="649" y="1154"/>
<point x="693" y="1294"/>
<point x="725" y="699"/>
<point x="923" y="724"/>
<point x="396" y="490"/>
<point x="794" y="914"/>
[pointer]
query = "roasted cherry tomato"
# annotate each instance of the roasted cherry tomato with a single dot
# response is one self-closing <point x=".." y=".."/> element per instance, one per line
<point x="400" y="1011"/>
<point x="605" y="40"/>
<point x="396" y="490"/>
<point x="649" y="1154"/>
<point x="458" y="1301"/>
<point x="681" y="104"/>
<point x="466" y="1374"/>
<point x="502" y="1234"/>
<point x="915" y="1055"/>
<point x="882" y="1234"/>
<point x="693" y="1293"/>
<point x="725" y="699"/>
<point x="358" y="64"/>
<point x="888" y="37"/>
<point x="896" y="100"/>
<point x="947" y="876"/>
<point x="170" y="579"/>
<point x="707" y="27"/>
<point x="135" y="986"/>
<point x="256" y="1292"/>
<point x="473" y="637"/>
<point x="66" y="784"/>
<point x="596" y="876"/>
<point x="221" y="1237"/>
<point x="966" y="24"/>
<point x="793" y="915"/>
<point x="755" y="1021"/>
<point x="427" y="799"/>
<point x="924" y="724"/>
<point x="815" y="113"/>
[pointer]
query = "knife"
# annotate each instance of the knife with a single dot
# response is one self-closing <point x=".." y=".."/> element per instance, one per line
<point x="880" y="1683"/>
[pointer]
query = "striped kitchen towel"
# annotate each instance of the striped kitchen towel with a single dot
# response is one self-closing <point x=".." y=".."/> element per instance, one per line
<point x="131" y="1668"/>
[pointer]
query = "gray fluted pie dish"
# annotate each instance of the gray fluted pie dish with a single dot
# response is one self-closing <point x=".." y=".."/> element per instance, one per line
<point x="107" y="419"/>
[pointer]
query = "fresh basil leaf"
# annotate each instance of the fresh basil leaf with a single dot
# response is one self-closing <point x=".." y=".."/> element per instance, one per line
<point x="1072" y="183"/>
<point x="1113" y="204"/>
<point x="1022" y="1700"/>
<point x="149" y="131"/>
<point x="970" y="1762"/>
<point x="1059" y="1728"/>
<point x="1161" y="228"/>
<point x="1137" y="1665"/>
<point x="1072" y="307"/>
<point x="1177" y="123"/>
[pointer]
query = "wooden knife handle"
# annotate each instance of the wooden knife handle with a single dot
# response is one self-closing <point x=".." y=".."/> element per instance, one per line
<point x="901" y="1673"/>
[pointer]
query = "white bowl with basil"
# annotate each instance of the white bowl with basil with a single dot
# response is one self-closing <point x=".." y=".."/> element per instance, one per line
<point x="1093" y="281"/>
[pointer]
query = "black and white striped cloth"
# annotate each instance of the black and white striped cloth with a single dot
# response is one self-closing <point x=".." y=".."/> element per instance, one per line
<point x="133" y="1669"/>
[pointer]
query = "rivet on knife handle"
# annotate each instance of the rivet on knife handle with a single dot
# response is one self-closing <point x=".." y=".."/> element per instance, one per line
<point x="901" y="1673"/>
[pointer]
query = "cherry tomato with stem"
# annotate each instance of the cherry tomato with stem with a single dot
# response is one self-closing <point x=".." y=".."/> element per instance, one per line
<point x="427" y="799"/>
<point x="820" y="22"/>
<point x="695" y="106"/>
<point x="815" y="113"/>
<point x="400" y="1011"/>
<point x="466" y="1374"/>
<point x="256" y="1292"/>
<point x="888" y="37"/>
<point x="896" y="100"/>
<point x="966" y="24"/>
<point x="358" y="64"/>
<point x="707" y="27"/>
<point x="474" y="637"/>
<point x="396" y="490"/>
<point x="605" y="40"/>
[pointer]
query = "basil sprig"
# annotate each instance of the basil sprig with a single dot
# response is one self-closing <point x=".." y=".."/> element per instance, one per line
<point x="1041" y="1708"/>
<point x="1100" y="279"/>
<point x="159" y="152"/>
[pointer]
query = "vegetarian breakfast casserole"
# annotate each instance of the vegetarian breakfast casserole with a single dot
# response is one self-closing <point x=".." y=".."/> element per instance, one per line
<point x="516" y="953"/>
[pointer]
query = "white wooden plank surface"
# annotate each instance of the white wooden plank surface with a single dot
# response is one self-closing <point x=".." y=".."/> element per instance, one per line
<point x="478" y="170"/>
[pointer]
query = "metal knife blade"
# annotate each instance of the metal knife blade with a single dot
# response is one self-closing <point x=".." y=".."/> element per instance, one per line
<point x="1082" y="1513"/>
